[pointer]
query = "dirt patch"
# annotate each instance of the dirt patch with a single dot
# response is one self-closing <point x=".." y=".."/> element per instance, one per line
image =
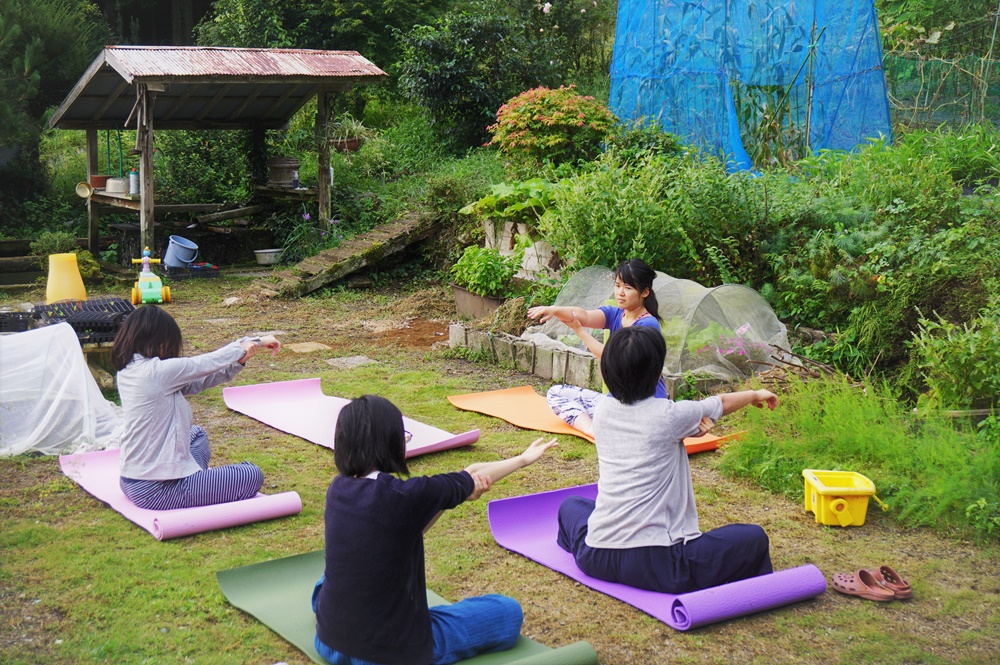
<point x="415" y="334"/>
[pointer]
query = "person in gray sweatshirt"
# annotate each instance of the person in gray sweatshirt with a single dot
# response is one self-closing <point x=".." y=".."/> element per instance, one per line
<point x="643" y="530"/>
<point x="164" y="457"/>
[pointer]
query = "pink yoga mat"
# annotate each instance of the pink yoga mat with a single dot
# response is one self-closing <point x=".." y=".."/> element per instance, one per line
<point x="300" y="408"/>
<point x="98" y="474"/>
<point x="529" y="524"/>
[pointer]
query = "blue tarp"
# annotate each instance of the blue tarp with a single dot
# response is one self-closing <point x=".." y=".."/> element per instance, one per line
<point x="719" y="73"/>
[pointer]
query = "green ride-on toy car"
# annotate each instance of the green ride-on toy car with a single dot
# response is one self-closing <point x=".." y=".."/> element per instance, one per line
<point x="150" y="287"/>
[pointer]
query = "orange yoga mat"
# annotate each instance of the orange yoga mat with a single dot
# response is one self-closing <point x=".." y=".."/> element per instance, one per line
<point x="523" y="407"/>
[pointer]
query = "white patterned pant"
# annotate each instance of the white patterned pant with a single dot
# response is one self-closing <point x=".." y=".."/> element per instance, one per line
<point x="568" y="402"/>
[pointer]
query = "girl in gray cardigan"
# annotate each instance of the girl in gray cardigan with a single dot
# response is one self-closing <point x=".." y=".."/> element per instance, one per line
<point x="164" y="457"/>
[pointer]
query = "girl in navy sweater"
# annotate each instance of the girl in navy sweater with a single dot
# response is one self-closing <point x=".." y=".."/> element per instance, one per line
<point x="371" y="604"/>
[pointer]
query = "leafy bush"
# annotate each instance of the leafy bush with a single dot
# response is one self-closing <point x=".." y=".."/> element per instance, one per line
<point x="522" y="202"/>
<point x="543" y="125"/>
<point x="686" y="216"/>
<point x="960" y="363"/>
<point x="52" y="242"/>
<point x="926" y="470"/>
<point x="484" y="271"/>
<point x="61" y="242"/>
<point x="641" y="136"/>
<point x="202" y="166"/>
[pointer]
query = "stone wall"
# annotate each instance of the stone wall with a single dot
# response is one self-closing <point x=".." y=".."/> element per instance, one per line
<point x="578" y="368"/>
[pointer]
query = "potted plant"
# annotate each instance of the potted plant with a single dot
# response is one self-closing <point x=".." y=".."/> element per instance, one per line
<point x="482" y="277"/>
<point x="346" y="133"/>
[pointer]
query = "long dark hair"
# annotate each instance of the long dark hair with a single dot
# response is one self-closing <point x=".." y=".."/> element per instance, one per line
<point x="148" y="331"/>
<point x="640" y="276"/>
<point x="632" y="362"/>
<point x="369" y="437"/>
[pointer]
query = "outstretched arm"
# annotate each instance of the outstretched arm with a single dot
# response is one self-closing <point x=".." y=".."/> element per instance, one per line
<point x="591" y="318"/>
<point x="594" y="346"/>
<point x="494" y="471"/>
<point x="485" y="473"/>
<point x="735" y="401"/>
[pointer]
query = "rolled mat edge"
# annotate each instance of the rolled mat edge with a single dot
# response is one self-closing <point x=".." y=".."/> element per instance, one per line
<point x="179" y="523"/>
<point x="745" y="597"/>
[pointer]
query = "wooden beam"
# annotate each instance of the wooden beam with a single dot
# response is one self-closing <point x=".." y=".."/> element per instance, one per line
<point x="223" y="91"/>
<point x="177" y="103"/>
<point x="182" y="124"/>
<point x="279" y="101"/>
<point x="144" y="139"/>
<point x="323" y="150"/>
<point x="230" y="214"/>
<point x="111" y="99"/>
<point x="93" y="215"/>
<point x="188" y="207"/>
<point x="247" y="101"/>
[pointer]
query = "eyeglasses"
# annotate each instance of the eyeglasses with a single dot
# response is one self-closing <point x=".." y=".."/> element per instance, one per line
<point x="407" y="437"/>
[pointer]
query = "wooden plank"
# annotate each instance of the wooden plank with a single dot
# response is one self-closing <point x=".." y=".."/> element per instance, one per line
<point x="341" y="261"/>
<point x="230" y="214"/>
<point x="19" y="264"/>
<point x="189" y="207"/>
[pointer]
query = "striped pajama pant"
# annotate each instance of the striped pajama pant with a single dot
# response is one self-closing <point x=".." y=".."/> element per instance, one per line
<point x="221" y="484"/>
<point x="568" y="402"/>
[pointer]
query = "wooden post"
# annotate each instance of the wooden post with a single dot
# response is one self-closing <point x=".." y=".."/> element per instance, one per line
<point x="323" y="150"/>
<point x="93" y="216"/>
<point x="144" y="128"/>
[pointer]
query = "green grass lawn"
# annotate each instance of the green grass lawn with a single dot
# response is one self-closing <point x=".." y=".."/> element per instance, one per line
<point x="80" y="584"/>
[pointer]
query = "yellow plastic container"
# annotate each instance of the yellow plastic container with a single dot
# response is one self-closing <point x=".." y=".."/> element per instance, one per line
<point x="64" y="281"/>
<point x="837" y="498"/>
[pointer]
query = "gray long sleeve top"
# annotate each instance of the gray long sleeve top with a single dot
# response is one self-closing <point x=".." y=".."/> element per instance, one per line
<point x="645" y="495"/>
<point x="156" y="444"/>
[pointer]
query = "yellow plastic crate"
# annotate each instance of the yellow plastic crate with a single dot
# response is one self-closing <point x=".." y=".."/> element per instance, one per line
<point x="837" y="497"/>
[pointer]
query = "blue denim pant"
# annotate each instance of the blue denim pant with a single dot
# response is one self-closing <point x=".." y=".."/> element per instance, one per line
<point x="481" y="624"/>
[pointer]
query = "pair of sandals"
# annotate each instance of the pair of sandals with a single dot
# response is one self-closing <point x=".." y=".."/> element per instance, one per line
<point x="880" y="585"/>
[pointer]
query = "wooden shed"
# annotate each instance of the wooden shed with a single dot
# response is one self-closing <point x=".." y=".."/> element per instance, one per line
<point x="190" y="87"/>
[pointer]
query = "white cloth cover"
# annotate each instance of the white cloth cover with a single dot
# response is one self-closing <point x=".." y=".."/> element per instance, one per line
<point x="49" y="400"/>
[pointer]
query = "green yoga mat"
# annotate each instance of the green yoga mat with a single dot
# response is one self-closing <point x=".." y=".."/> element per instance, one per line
<point x="279" y="592"/>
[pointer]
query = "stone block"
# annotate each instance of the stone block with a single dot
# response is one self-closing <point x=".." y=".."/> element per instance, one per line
<point x="456" y="336"/>
<point x="543" y="362"/>
<point x="524" y="355"/>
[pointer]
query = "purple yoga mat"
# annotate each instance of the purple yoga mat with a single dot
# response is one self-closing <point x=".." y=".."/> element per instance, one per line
<point x="98" y="474"/>
<point x="300" y="408"/>
<point x="529" y="524"/>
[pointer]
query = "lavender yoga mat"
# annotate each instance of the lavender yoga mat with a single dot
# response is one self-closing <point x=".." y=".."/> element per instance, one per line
<point x="300" y="408"/>
<point x="529" y="524"/>
<point x="98" y="473"/>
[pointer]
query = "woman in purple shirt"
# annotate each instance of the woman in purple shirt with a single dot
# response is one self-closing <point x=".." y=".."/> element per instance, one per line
<point x="637" y="306"/>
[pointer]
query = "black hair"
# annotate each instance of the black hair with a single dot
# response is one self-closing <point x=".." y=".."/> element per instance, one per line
<point x="640" y="276"/>
<point x="369" y="437"/>
<point x="632" y="363"/>
<point x="148" y="331"/>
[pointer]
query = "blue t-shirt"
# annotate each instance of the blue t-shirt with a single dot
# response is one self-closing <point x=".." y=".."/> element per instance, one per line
<point x="613" y="321"/>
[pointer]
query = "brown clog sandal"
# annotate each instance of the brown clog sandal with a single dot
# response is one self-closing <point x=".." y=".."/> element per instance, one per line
<point x="889" y="579"/>
<point x="862" y="584"/>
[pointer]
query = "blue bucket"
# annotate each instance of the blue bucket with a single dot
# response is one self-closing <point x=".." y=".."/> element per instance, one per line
<point x="180" y="252"/>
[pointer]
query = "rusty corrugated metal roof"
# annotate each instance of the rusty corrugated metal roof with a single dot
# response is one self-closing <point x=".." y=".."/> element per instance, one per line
<point x="207" y="87"/>
<point x="153" y="62"/>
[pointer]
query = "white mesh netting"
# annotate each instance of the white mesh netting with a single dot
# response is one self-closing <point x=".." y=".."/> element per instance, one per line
<point x="725" y="332"/>
<point x="49" y="401"/>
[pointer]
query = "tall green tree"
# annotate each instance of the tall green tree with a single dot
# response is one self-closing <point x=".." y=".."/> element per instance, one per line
<point x="467" y="64"/>
<point x="45" y="45"/>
